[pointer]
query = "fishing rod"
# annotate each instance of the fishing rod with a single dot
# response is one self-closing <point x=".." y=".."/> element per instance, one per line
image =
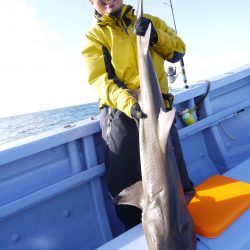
<point x="172" y="72"/>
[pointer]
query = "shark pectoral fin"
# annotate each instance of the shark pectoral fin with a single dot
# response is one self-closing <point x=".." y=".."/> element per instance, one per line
<point x="164" y="125"/>
<point x="131" y="195"/>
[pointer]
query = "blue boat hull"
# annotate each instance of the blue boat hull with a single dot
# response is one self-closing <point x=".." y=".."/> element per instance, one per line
<point x="53" y="193"/>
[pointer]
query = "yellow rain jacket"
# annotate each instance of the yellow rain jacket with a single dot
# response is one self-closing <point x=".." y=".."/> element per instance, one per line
<point x="110" y="57"/>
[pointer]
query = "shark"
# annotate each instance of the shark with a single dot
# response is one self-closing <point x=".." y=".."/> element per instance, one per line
<point x="166" y="221"/>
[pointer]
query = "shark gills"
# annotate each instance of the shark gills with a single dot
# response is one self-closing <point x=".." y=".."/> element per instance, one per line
<point x="166" y="221"/>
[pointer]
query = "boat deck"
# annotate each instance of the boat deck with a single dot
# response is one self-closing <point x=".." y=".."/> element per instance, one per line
<point x="236" y="236"/>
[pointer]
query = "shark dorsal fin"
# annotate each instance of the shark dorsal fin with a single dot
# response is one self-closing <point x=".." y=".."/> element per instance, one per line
<point x="131" y="195"/>
<point x="165" y="123"/>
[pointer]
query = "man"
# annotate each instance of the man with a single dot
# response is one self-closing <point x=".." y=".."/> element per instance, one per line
<point x="110" y="56"/>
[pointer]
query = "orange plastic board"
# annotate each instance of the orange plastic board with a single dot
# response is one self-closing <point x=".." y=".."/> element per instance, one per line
<point x="218" y="201"/>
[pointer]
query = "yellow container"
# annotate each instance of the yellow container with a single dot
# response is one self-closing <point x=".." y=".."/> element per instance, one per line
<point x="187" y="116"/>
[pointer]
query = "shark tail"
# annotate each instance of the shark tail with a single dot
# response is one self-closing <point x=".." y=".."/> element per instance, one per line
<point x="145" y="40"/>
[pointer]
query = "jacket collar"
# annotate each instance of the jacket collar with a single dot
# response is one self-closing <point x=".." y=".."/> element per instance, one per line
<point x="127" y="14"/>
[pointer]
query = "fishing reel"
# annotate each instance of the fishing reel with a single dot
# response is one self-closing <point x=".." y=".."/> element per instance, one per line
<point x="172" y="75"/>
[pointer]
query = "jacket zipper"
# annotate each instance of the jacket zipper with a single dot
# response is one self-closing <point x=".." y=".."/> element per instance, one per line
<point x="121" y="26"/>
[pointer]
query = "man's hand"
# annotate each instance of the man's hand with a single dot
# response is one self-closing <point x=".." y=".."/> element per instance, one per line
<point x="168" y="100"/>
<point x="137" y="113"/>
<point x="141" y="26"/>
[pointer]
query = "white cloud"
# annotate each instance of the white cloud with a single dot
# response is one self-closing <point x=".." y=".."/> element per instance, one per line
<point x="36" y="72"/>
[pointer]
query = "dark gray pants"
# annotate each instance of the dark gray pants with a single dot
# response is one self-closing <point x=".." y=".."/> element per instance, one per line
<point x="122" y="159"/>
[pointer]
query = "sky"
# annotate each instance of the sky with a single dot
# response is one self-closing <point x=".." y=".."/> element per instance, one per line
<point x="41" y="66"/>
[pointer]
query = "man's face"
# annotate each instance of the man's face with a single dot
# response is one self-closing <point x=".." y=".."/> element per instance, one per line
<point x="107" y="6"/>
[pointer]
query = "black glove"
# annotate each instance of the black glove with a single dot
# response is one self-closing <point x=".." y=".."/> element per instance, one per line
<point x="141" y="26"/>
<point x="137" y="113"/>
<point x="168" y="100"/>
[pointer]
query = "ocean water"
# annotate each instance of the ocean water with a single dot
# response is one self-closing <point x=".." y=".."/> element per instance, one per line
<point x="17" y="127"/>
